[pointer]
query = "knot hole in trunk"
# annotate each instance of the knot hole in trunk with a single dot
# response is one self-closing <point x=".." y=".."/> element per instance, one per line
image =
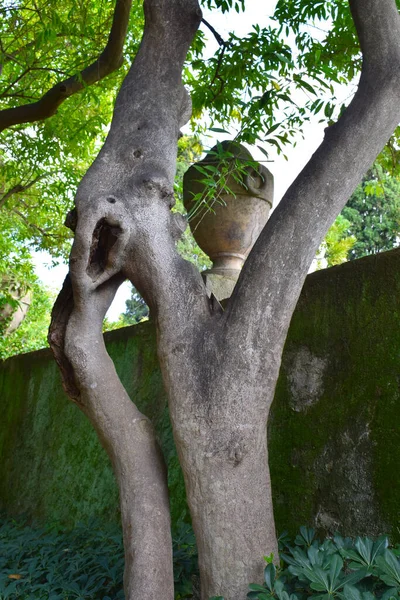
<point x="104" y="237"/>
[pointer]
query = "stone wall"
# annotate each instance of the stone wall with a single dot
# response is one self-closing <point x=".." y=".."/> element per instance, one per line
<point x="334" y="426"/>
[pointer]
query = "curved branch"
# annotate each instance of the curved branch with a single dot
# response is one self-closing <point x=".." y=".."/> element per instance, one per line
<point x="109" y="61"/>
<point x="90" y="379"/>
<point x="272" y="277"/>
<point x="215" y="33"/>
<point x="131" y="181"/>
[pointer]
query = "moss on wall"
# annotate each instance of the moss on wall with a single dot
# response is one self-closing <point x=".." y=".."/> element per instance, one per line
<point x="334" y="436"/>
<point x="53" y="467"/>
<point x="334" y="426"/>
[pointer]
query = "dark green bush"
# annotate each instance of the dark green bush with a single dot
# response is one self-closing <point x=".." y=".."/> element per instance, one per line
<point x="87" y="564"/>
<point x="342" y="568"/>
<point x="84" y="564"/>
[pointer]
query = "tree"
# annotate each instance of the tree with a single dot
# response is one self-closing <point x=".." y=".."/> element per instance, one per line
<point x="32" y="333"/>
<point x="336" y="245"/>
<point x="219" y="367"/>
<point x="373" y="213"/>
<point x="48" y="53"/>
<point x="136" y="309"/>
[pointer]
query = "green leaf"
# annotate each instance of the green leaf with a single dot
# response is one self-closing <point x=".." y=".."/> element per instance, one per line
<point x="269" y="576"/>
<point x="379" y="547"/>
<point x="319" y="579"/>
<point x="263" y="151"/>
<point x="390" y="565"/>
<point x="351" y="593"/>
<point x="391" y="594"/>
<point x="253" y="595"/>
<point x="355" y="577"/>
<point x="218" y="130"/>
<point x="364" y="547"/>
<point x="256" y="587"/>
<point x="336" y="565"/>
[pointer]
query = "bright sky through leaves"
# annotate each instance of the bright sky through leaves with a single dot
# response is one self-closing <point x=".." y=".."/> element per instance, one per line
<point x="284" y="171"/>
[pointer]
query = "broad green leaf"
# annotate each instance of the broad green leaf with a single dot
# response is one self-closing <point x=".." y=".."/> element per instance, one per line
<point x="255" y="587"/>
<point x="351" y="593"/>
<point x="379" y="547"/>
<point x="355" y="577"/>
<point x="390" y="566"/>
<point x="269" y="576"/>
<point x="391" y="594"/>
<point x="336" y="565"/>
<point x="364" y="547"/>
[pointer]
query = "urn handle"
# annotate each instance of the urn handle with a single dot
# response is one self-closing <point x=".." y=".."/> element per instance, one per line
<point x="260" y="183"/>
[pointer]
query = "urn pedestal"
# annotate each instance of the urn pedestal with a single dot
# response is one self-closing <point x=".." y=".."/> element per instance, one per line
<point x="227" y="225"/>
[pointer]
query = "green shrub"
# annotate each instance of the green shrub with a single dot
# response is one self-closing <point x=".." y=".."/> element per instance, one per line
<point x="342" y="568"/>
<point x="84" y="564"/>
<point x="87" y="564"/>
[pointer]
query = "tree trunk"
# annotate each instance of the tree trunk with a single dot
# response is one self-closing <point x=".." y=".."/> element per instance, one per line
<point x="229" y="495"/>
<point x="220" y="367"/>
<point x="220" y="391"/>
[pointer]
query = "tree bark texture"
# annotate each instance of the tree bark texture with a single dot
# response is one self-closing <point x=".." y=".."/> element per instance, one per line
<point x="219" y="367"/>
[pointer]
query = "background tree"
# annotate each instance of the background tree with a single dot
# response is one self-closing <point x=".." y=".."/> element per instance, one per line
<point x="32" y="333"/>
<point x="336" y="245"/>
<point x="136" y="309"/>
<point x="373" y="212"/>
<point x="49" y="52"/>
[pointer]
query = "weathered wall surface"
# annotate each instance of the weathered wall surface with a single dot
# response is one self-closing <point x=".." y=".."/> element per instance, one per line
<point x="335" y="424"/>
<point x="52" y="465"/>
<point x="334" y="427"/>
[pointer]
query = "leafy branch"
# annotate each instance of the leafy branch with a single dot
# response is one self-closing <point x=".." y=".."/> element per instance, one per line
<point x="108" y="61"/>
<point x="18" y="188"/>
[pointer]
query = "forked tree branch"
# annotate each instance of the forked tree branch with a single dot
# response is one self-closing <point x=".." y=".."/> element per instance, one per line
<point x="127" y="435"/>
<point x="272" y="277"/>
<point x="109" y="61"/>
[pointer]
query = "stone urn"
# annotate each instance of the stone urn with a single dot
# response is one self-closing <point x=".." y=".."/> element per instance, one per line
<point x="227" y="224"/>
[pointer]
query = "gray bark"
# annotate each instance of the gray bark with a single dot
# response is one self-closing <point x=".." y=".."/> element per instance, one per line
<point x="219" y="368"/>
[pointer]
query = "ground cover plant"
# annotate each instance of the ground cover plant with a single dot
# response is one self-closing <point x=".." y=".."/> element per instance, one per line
<point x="87" y="563"/>
<point x="337" y="567"/>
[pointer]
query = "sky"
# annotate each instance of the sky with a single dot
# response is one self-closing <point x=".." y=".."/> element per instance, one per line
<point x="284" y="171"/>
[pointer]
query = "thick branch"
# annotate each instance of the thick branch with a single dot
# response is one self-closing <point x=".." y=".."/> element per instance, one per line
<point x="109" y="60"/>
<point x="131" y="182"/>
<point x="273" y="275"/>
<point x="90" y="379"/>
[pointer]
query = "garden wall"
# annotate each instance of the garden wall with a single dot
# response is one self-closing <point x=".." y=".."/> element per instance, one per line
<point x="334" y="427"/>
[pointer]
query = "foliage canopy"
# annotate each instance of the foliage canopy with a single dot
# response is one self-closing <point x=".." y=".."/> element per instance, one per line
<point x="265" y="85"/>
